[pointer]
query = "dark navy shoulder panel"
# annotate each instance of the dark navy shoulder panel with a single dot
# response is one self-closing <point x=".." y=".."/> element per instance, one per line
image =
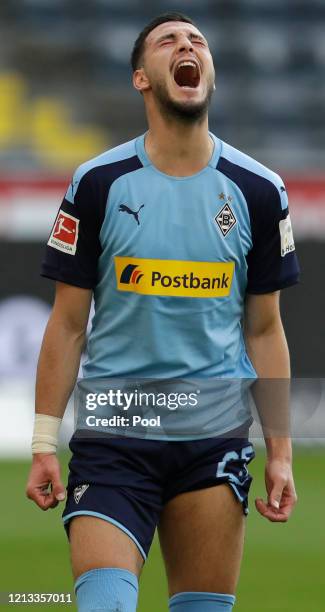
<point x="91" y="191"/>
<point x="261" y="194"/>
<point x="265" y="195"/>
<point x="85" y="201"/>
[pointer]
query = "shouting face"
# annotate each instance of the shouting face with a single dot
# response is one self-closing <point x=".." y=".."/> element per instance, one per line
<point x="177" y="71"/>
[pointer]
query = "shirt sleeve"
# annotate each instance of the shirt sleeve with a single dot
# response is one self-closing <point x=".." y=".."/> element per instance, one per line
<point x="272" y="261"/>
<point x="73" y="248"/>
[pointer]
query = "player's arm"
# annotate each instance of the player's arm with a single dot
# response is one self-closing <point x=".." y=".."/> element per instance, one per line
<point x="57" y="371"/>
<point x="267" y="348"/>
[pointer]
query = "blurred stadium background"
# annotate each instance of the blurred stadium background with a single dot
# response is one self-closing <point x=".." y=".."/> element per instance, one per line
<point x="65" y="96"/>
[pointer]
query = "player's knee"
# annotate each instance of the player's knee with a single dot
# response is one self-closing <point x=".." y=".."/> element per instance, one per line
<point x="107" y="589"/>
<point x="201" y="602"/>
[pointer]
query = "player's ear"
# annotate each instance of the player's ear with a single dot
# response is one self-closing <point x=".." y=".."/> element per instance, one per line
<point x="140" y="80"/>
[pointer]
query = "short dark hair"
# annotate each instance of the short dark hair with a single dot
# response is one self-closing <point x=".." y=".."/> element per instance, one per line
<point x="139" y="44"/>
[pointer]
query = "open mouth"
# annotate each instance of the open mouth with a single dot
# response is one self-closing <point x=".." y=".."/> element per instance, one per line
<point x="187" y="74"/>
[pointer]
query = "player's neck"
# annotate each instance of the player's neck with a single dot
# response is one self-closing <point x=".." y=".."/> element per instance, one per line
<point x="179" y="150"/>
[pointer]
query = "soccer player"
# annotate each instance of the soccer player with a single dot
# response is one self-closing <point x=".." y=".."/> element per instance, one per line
<point x="185" y="244"/>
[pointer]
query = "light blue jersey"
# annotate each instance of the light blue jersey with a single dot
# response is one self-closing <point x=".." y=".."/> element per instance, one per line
<point x="170" y="260"/>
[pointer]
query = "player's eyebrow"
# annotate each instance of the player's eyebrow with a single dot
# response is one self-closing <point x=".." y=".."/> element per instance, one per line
<point x="196" y="35"/>
<point x="172" y="36"/>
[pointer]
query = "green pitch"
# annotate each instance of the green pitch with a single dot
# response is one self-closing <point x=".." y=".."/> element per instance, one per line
<point x="282" y="568"/>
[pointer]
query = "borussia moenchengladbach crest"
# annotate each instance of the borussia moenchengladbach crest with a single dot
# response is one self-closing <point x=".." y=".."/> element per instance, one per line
<point x="225" y="219"/>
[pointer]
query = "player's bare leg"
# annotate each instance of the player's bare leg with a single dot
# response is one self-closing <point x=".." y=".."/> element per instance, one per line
<point x="202" y="535"/>
<point x="105" y="563"/>
<point x="96" y="543"/>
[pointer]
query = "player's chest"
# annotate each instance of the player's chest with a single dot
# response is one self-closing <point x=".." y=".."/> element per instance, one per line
<point x="194" y="220"/>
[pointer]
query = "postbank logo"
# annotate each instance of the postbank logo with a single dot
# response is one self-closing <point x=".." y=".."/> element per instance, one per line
<point x="174" y="278"/>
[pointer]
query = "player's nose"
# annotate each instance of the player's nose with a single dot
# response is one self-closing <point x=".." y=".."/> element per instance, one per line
<point x="184" y="44"/>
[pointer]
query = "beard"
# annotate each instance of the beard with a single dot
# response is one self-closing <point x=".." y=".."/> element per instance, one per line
<point x="185" y="112"/>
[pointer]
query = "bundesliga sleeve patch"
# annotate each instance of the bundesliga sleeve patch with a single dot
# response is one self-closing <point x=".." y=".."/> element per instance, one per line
<point x="64" y="234"/>
<point x="287" y="242"/>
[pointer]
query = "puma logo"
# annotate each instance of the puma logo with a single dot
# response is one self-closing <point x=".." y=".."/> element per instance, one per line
<point x="135" y="213"/>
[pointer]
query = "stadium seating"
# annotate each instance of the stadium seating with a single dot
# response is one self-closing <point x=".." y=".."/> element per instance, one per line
<point x="269" y="59"/>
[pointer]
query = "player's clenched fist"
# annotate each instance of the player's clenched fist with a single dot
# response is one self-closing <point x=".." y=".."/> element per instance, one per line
<point x="44" y="484"/>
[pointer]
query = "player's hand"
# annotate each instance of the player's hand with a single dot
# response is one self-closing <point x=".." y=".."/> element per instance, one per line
<point x="280" y="490"/>
<point x="44" y="484"/>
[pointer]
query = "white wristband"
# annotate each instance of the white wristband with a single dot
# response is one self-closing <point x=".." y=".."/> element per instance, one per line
<point x="46" y="433"/>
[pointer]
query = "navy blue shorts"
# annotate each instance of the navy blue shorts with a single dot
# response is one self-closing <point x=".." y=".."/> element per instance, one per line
<point x="127" y="481"/>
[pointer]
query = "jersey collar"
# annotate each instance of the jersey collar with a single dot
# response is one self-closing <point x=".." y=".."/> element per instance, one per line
<point x="142" y="154"/>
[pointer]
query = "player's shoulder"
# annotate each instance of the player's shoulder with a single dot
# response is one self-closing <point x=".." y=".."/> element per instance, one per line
<point x="103" y="169"/>
<point x="247" y="171"/>
<point x="120" y="154"/>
